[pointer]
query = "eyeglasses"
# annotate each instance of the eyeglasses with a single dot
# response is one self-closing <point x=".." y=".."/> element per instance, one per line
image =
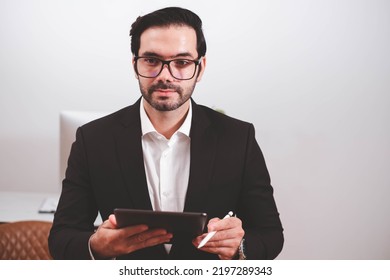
<point x="151" y="67"/>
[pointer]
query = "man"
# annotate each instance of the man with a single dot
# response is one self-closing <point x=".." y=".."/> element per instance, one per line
<point x="166" y="153"/>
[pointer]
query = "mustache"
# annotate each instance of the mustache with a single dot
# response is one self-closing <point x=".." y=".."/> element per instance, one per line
<point x="165" y="86"/>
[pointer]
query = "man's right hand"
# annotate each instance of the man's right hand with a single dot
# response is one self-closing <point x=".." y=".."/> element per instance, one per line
<point x="109" y="241"/>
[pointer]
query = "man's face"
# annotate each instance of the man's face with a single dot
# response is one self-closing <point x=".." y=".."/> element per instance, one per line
<point x="166" y="93"/>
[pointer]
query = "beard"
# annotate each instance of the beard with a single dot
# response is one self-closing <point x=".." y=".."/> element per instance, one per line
<point x="165" y="103"/>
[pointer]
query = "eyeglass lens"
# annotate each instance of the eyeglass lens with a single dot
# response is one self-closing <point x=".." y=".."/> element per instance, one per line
<point x="181" y="69"/>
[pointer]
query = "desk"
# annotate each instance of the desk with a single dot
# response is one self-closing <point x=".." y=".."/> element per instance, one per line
<point x="20" y="206"/>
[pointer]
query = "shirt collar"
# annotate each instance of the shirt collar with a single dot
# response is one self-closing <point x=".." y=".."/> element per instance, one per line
<point x="147" y="126"/>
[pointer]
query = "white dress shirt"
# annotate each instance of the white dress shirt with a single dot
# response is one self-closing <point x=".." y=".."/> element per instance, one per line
<point x="167" y="163"/>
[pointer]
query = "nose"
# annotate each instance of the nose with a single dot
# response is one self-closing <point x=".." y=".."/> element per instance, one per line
<point x="165" y="74"/>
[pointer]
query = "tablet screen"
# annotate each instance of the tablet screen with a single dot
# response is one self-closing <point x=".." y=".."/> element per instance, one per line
<point x="179" y="223"/>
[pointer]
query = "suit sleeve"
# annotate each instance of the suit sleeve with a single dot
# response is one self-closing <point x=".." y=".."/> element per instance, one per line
<point x="76" y="212"/>
<point x="257" y="208"/>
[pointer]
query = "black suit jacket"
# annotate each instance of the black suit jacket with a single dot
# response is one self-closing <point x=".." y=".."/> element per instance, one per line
<point x="106" y="171"/>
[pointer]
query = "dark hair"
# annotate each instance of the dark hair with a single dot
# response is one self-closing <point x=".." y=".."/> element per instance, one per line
<point x="166" y="17"/>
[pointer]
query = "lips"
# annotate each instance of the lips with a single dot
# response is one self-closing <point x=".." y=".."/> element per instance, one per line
<point x="164" y="92"/>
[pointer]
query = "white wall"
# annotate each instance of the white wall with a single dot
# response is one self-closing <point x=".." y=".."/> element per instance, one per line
<point x="313" y="76"/>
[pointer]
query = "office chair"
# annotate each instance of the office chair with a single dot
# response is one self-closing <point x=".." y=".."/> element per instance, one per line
<point x="24" y="240"/>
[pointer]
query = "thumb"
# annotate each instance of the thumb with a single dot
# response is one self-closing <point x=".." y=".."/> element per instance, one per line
<point x="112" y="220"/>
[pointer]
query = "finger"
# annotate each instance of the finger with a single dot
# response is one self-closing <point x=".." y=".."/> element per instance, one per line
<point x="222" y="243"/>
<point x="148" y="238"/>
<point x="197" y="240"/>
<point x="112" y="220"/>
<point x="145" y="235"/>
<point x="225" y="224"/>
<point x="214" y="220"/>
<point x="231" y="233"/>
<point x="222" y="252"/>
<point x="130" y="231"/>
<point x="224" y="237"/>
<point x="106" y="224"/>
<point x="212" y="246"/>
<point x="157" y="239"/>
<point x="211" y="223"/>
<point x="225" y="249"/>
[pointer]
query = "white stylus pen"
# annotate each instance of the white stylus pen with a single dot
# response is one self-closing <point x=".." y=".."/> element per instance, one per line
<point x="211" y="233"/>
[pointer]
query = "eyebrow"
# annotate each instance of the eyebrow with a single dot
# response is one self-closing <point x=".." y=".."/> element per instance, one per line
<point x="153" y="54"/>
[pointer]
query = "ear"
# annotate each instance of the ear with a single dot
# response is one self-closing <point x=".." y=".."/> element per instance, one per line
<point x="202" y="67"/>
<point x="133" y="62"/>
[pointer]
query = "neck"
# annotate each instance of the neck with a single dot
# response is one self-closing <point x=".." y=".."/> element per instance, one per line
<point x="167" y="122"/>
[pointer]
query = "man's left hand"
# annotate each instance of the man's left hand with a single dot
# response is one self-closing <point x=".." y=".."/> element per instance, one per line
<point x="226" y="241"/>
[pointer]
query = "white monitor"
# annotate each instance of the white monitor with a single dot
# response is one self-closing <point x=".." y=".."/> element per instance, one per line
<point x="69" y="122"/>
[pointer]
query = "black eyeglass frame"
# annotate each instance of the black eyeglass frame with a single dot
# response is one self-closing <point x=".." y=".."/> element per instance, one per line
<point x="166" y="62"/>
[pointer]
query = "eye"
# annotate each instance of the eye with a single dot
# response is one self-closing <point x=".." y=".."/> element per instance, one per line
<point x="150" y="61"/>
<point x="181" y="63"/>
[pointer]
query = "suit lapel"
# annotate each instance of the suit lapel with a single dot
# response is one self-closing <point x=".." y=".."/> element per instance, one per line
<point x="203" y="147"/>
<point x="129" y="152"/>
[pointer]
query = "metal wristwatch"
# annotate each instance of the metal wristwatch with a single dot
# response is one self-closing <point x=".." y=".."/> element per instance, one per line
<point x="241" y="250"/>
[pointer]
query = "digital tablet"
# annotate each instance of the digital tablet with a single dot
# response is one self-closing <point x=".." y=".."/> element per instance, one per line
<point x="189" y="224"/>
